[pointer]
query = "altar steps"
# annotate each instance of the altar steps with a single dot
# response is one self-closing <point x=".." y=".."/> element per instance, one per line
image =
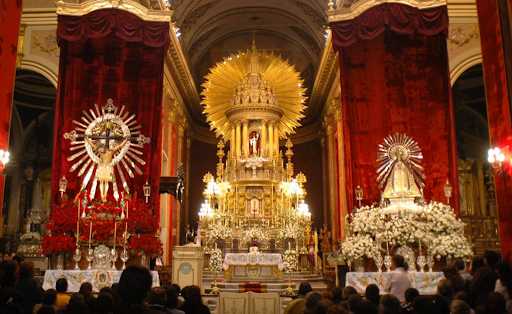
<point x="316" y="280"/>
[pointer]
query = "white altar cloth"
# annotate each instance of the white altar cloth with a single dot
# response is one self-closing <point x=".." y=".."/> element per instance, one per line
<point x="263" y="259"/>
<point x="99" y="278"/>
<point x="426" y="283"/>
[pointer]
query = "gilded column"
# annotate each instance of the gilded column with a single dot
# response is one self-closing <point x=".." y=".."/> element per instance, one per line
<point x="276" y="141"/>
<point x="263" y="139"/>
<point x="331" y="162"/>
<point x="342" y="192"/>
<point x="245" y="138"/>
<point x="270" y="136"/>
<point x="232" y="143"/>
<point x="325" y="182"/>
<point x="238" y="140"/>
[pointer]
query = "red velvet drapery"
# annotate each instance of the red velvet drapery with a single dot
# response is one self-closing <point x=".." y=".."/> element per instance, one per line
<point x="395" y="78"/>
<point x="498" y="109"/>
<point x="111" y="54"/>
<point x="10" y="13"/>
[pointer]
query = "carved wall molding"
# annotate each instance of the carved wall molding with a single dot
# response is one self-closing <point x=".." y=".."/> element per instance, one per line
<point x="155" y="11"/>
<point x="350" y="9"/>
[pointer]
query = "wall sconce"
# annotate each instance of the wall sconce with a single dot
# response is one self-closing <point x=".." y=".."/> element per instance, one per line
<point x="448" y="189"/>
<point x="146" y="188"/>
<point x="5" y="157"/>
<point x="63" y="185"/>
<point x="359" y="194"/>
<point x="496" y="157"/>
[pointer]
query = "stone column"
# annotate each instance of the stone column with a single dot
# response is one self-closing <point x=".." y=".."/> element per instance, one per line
<point x="9" y="28"/>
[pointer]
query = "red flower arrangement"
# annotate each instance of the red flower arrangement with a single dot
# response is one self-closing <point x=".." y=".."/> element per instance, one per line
<point x="58" y="244"/>
<point x="149" y="244"/>
<point x="141" y="220"/>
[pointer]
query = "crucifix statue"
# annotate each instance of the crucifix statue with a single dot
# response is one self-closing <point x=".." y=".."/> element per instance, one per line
<point x="105" y="171"/>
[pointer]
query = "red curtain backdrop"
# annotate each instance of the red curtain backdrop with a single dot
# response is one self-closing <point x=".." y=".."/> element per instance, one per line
<point x="10" y="13"/>
<point x="395" y="78"/>
<point x="498" y="109"/>
<point x="111" y="54"/>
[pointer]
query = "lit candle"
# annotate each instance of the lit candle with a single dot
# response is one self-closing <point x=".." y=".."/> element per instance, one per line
<point x="90" y="233"/>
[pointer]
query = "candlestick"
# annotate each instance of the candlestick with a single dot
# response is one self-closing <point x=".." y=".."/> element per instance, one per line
<point x="90" y="233"/>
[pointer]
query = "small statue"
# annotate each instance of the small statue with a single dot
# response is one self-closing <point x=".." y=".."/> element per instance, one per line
<point x="189" y="236"/>
<point x="401" y="181"/>
<point x="254" y="143"/>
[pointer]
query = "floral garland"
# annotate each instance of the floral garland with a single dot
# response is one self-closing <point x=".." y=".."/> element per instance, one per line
<point x="290" y="260"/>
<point x="435" y="226"/>
<point x="216" y="260"/>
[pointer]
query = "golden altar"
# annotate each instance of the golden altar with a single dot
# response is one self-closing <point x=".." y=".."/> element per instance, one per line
<point x="254" y="101"/>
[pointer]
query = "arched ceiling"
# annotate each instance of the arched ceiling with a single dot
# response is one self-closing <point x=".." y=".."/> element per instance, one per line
<point x="213" y="29"/>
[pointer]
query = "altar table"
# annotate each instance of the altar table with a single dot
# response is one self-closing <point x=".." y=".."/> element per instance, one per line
<point x="253" y="266"/>
<point x="99" y="278"/>
<point x="426" y="282"/>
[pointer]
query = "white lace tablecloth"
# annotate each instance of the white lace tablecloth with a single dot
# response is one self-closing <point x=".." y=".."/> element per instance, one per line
<point x="242" y="259"/>
<point x="426" y="283"/>
<point x="97" y="277"/>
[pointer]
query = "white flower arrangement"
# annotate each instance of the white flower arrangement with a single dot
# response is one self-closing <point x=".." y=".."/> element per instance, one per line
<point x="255" y="233"/>
<point x="290" y="260"/>
<point x="435" y="225"/>
<point x="355" y="247"/>
<point x="216" y="260"/>
<point x="290" y="230"/>
<point x="218" y="232"/>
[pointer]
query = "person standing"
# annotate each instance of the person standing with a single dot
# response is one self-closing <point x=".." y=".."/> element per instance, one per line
<point x="398" y="281"/>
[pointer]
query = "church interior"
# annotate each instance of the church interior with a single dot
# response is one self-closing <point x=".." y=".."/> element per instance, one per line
<point x="250" y="146"/>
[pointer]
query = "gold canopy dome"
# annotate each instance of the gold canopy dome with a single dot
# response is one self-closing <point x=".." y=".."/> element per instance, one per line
<point x="250" y="83"/>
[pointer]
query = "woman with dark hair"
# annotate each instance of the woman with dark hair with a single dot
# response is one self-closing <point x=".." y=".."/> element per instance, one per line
<point x="504" y="284"/>
<point x="28" y="287"/>
<point x="372" y="294"/>
<point x="193" y="302"/>
<point x="398" y="281"/>
<point x="296" y="306"/>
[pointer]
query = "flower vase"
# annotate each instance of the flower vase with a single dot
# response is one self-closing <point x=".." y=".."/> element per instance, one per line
<point x="144" y="259"/>
<point x="359" y="265"/>
<point x="60" y="261"/>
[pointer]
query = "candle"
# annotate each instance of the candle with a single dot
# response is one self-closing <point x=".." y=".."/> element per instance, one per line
<point x="90" y="233"/>
<point x="115" y="233"/>
<point x="387" y="247"/>
<point x="78" y="221"/>
<point x="419" y="241"/>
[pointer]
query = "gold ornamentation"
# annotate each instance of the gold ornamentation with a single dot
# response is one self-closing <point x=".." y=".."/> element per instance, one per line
<point x="351" y="9"/>
<point x="253" y="81"/>
<point x="103" y="140"/>
<point x="152" y="13"/>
